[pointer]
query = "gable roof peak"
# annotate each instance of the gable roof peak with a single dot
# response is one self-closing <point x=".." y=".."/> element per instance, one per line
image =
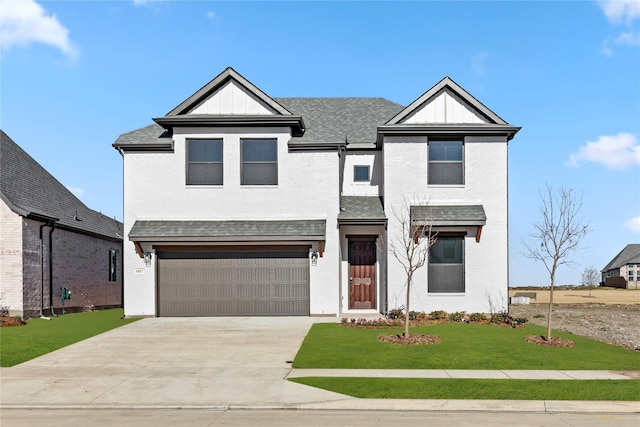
<point x="229" y="74"/>
<point x="447" y="83"/>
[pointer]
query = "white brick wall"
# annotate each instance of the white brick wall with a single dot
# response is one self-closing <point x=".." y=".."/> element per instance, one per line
<point x="486" y="269"/>
<point x="308" y="186"/>
<point x="10" y="260"/>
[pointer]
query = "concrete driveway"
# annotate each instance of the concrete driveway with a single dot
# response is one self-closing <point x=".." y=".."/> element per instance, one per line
<point x="170" y="362"/>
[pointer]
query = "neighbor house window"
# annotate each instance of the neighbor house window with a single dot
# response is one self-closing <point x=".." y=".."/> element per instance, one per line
<point x="113" y="265"/>
<point x="259" y="162"/>
<point x="446" y="164"/>
<point x="446" y="265"/>
<point x="204" y="162"/>
<point x="361" y="173"/>
<point x="630" y="275"/>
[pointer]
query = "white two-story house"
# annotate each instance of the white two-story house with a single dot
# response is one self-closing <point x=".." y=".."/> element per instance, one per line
<point x="237" y="203"/>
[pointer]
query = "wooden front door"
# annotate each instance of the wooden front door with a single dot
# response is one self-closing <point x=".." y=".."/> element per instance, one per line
<point x="362" y="273"/>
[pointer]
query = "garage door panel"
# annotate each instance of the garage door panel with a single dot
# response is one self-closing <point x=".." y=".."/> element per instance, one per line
<point x="233" y="283"/>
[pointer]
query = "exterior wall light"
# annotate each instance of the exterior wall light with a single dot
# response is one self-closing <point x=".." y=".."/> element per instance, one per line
<point x="147" y="259"/>
<point x="314" y="258"/>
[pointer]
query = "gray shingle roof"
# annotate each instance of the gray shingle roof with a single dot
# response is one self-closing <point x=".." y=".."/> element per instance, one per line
<point x="361" y="210"/>
<point x="149" y="135"/>
<point x="228" y="231"/>
<point x="29" y="190"/>
<point x="338" y="119"/>
<point x="326" y="119"/>
<point x="629" y="255"/>
<point x="449" y="215"/>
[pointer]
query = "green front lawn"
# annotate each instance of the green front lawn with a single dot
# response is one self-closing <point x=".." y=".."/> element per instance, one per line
<point x="463" y="346"/>
<point x="39" y="336"/>
<point x="438" y="388"/>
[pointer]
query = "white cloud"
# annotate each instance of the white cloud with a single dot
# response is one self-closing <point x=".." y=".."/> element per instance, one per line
<point x="629" y="39"/>
<point x="25" y="21"/>
<point x="77" y="191"/>
<point x="633" y="224"/>
<point x="621" y="12"/>
<point x="613" y="151"/>
<point x="618" y="11"/>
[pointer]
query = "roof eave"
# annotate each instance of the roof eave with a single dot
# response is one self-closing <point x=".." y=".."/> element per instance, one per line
<point x="434" y="129"/>
<point x="204" y="120"/>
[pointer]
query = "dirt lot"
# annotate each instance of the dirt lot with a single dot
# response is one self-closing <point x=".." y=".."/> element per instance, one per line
<point x="608" y="315"/>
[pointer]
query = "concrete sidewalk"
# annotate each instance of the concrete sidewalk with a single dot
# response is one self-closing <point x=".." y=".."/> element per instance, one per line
<point x="465" y="373"/>
<point x="226" y="363"/>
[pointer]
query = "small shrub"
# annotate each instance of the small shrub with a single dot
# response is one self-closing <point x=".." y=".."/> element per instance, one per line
<point x="438" y="315"/>
<point x="458" y="316"/>
<point x="344" y="321"/>
<point x="477" y="317"/>
<point x="507" y="319"/>
<point x="413" y="315"/>
<point x="396" y="313"/>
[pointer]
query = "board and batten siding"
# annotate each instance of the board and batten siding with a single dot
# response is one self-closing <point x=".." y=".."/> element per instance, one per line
<point x="446" y="107"/>
<point x="231" y="99"/>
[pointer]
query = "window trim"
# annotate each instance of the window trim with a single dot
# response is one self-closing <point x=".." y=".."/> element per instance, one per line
<point x="355" y="174"/>
<point x="462" y="161"/>
<point x="188" y="163"/>
<point x="243" y="162"/>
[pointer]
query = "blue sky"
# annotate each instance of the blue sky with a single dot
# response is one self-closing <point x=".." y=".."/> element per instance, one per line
<point x="75" y="75"/>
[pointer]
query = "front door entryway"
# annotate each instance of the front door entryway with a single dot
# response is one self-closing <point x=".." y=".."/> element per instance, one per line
<point x="362" y="273"/>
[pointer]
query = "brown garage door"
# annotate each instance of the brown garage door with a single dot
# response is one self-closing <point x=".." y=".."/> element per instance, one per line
<point x="247" y="282"/>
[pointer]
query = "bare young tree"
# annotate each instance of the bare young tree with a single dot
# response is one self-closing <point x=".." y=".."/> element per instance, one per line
<point x="411" y="248"/>
<point x="556" y="235"/>
<point x="590" y="277"/>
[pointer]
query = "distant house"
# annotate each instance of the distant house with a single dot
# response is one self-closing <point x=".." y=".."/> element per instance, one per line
<point x="49" y="240"/>
<point x="237" y="203"/>
<point x="624" y="269"/>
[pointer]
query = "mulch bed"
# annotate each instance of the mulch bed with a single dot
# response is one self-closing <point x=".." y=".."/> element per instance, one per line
<point x="412" y="339"/>
<point x="11" y="321"/>
<point x="554" y="342"/>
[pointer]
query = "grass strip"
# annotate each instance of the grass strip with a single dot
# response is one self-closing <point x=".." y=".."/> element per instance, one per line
<point x="477" y="389"/>
<point x="39" y="336"/>
<point x="463" y="346"/>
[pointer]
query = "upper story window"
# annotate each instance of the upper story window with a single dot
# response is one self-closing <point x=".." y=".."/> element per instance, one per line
<point x="446" y="164"/>
<point x="361" y="173"/>
<point x="204" y="161"/>
<point x="259" y="162"/>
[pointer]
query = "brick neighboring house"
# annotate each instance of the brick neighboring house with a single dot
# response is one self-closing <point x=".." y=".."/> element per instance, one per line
<point x="624" y="269"/>
<point x="49" y="240"/>
<point x="237" y="203"/>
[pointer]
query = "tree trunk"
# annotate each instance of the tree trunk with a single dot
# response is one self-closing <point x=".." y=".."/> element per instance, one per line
<point x="406" y="314"/>
<point x="553" y="275"/>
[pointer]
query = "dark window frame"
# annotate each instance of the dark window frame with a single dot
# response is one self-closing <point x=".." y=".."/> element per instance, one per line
<point x="432" y="164"/>
<point x="189" y="162"/>
<point x="244" y="180"/>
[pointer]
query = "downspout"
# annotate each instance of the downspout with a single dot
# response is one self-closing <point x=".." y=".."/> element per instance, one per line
<point x="42" y="269"/>
<point x="53" y="227"/>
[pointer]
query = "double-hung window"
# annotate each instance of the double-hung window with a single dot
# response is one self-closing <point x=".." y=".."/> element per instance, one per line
<point x="446" y="162"/>
<point x="446" y="265"/>
<point x="204" y="161"/>
<point x="259" y="162"/>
